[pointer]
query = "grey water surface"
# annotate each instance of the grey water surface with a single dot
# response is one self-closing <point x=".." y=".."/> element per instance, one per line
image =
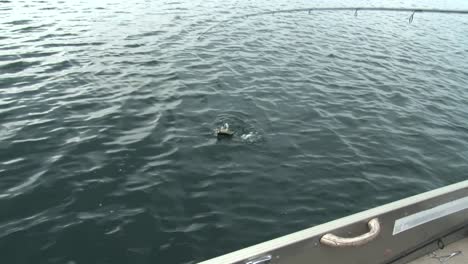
<point x="107" y="111"/>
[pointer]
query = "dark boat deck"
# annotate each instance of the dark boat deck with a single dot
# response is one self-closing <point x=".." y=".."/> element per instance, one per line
<point x="455" y="253"/>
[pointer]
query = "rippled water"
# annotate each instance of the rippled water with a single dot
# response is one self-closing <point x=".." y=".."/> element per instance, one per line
<point x="107" y="111"/>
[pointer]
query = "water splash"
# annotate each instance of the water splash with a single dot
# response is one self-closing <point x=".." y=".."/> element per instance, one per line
<point x="251" y="137"/>
<point x="244" y="129"/>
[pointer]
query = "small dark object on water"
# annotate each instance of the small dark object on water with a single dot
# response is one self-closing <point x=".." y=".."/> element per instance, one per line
<point x="224" y="131"/>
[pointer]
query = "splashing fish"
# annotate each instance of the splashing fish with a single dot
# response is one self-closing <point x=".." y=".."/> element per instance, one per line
<point x="224" y="131"/>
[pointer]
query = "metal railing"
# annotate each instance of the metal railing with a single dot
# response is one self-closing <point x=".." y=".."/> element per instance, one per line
<point x="355" y="9"/>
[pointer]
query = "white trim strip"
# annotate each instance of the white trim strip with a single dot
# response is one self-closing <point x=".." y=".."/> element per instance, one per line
<point x="417" y="219"/>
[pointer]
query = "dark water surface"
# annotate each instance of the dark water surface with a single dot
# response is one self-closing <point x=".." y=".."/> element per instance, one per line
<point x="107" y="110"/>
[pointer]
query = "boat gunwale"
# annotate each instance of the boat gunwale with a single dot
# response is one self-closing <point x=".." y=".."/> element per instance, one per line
<point x="280" y="242"/>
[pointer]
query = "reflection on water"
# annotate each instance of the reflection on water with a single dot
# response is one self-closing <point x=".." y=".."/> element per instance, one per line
<point x="107" y="111"/>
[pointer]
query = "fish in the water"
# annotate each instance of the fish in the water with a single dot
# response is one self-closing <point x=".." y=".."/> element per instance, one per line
<point x="224" y="131"/>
